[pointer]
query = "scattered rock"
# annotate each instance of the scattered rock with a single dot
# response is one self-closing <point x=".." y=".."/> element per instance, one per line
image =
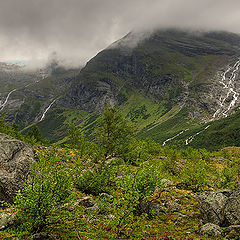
<point x="86" y="202"/>
<point x="41" y="236"/>
<point x="92" y="220"/>
<point x="8" y="220"/>
<point x="151" y="208"/>
<point x="220" y="159"/>
<point x="15" y="158"/>
<point x="211" y="207"/>
<point x="226" y="192"/>
<point x="183" y="186"/>
<point x="172" y="206"/>
<point x="70" y="207"/>
<point x="110" y="216"/>
<point x="211" y="230"/>
<point x="235" y="228"/>
<point x="232" y="208"/>
<point x="94" y="209"/>
<point x="166" y="183"/>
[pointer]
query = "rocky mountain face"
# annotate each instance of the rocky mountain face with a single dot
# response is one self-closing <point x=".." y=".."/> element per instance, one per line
<point x="26" y="95"/>
<point x="176" y="67"/>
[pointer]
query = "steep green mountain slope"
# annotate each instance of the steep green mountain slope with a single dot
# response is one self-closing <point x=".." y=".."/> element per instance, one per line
<point x="165" y="83"/>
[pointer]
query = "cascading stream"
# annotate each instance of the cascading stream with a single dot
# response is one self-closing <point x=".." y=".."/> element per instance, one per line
<point x="6" y="100"/>
<point x="229" y="83"/>
<point x="44" y="113"/>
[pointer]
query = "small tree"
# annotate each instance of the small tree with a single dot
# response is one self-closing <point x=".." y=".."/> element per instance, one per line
<point x="114" y="133"/>
<point x="77" y="139"/>
<point x="35" y="133"/>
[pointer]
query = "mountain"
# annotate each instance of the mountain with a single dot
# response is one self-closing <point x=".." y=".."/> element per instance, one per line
<point x="173" y="85"/>
<point x="27" y="96"/>
<point x="165" y="83"/>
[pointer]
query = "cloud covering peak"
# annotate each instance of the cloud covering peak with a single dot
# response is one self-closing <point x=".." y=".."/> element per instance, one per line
<point x="77" y="29"/>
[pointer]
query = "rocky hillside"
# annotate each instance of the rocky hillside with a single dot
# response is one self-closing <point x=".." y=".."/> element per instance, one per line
<point x="165" y="83"/>
<point x="27" y="96"/>
<point x="166" y="193"/>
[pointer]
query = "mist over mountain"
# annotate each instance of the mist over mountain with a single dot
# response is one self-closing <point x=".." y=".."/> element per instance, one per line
<point x="77" y="30"/>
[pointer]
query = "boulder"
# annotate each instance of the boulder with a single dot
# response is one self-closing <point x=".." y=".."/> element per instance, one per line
<point x="106" y="197"/>
<point x="41" y="236"/>
<point x="86" y="202"/>
<point x="221" y="207"/>
<point x="232" y="208"/>
<point x="172" y="206"/>
<point x="15" y="158"/>
<point x="166" y="183"/>
<point x="212" y="207"/>
<point x="211" y="230"/>
<point x="152" y="208"/>
<point x="235" y="228"/>
<point x="8" y="220"/>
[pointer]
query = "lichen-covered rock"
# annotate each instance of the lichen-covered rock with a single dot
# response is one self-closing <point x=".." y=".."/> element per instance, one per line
<point x="166" y="183"/>
<point x="172" y="206"/>
<point x="211" y="230"/>
<point x="15" y="158"/>
<point x="212" y="207"/>
<point x="41" y="236"/>
<point x="7" y="220"/>
<point x="151" y="208"/>
<point x="235" y="228"/>
<point x="86" y="202"/>
<point x="232" y="208"/>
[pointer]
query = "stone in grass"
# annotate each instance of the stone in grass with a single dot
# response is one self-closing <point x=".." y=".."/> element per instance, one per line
<point x="232" y="208"/>
<point x="172" y="206"/>
<point x="41" y="236"/>
<point x="211" y="230"/>
<point x="235" y="228"/>
<point x="166" y="183"/>
<point x="211" y="207"/>
<point x="8" y="220"/>
<point x="151" y="208"/>
<point x="15" y="159"/>
<point x="86" y="202"/>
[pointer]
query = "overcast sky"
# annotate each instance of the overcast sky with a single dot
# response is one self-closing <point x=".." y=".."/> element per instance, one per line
<point x="76" y="30"/>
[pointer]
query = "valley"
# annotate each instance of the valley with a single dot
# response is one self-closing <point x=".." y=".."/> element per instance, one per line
<point x="168" y="85"/>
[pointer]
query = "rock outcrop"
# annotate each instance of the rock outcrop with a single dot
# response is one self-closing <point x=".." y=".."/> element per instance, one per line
<point x="15" y="158"/>
<point x="221" y="208"/>
<point x="232" y="208"/>
<point x="211" y="230"/>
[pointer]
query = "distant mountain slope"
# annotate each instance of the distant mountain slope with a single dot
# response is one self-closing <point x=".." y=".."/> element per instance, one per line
<point x="26" y="95"/>
<point x="165" y="83"/>
<point x="167" y="66"/>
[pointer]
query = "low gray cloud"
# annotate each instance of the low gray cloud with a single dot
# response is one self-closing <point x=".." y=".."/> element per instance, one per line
<point x="77" y="29"/>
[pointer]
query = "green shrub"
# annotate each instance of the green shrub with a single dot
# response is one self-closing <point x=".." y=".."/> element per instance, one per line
<point x="41" y="196"/>
<point x="97" y="179"/>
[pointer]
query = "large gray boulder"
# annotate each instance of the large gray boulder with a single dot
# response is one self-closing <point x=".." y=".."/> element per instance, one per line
<point x="232" y="208"/>
<point x="211" y="230"/>
<point x="8" y="220"/>
<point x="221" y="207"/>
<point x="15" y="158"/>
<point x="212" y="207"/>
